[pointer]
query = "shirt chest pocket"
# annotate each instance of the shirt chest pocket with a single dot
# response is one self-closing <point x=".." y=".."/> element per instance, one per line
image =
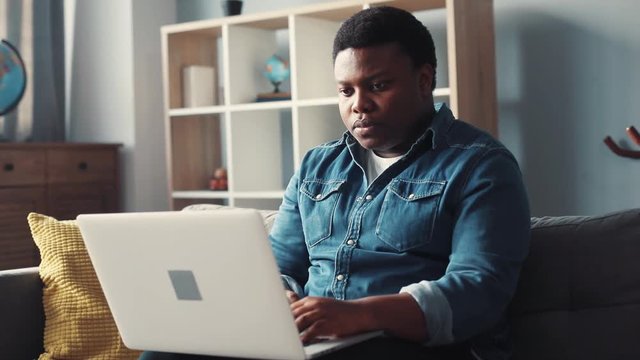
<point x="409" y="213"/>
<point x="318" y="201"/>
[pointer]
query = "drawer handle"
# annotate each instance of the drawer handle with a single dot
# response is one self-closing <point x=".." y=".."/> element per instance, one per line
<point x="83" y="166"/>
<point x="8" y="167"/>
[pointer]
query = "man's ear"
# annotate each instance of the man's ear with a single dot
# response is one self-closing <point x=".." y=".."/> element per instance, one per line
<point x="425" y="79"/>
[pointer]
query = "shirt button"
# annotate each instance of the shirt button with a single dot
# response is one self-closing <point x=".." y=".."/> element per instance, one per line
<point x="340" y="277"/>
<point x="359" y="198"/>
<point x="319" y="196"/>
<point x="351" y="242"/>
<point x="368" y="197"/>
<point x="411" y="196"/>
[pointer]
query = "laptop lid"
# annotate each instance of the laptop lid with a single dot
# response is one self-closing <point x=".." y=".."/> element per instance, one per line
<point x="197" y="282"/>
<point x="202" y="282"/>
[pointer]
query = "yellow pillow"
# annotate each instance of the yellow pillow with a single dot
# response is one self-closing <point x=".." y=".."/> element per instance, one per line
<point x="78" y="323"/>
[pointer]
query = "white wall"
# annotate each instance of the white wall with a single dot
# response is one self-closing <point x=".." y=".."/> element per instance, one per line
<point x="116" y="90"/>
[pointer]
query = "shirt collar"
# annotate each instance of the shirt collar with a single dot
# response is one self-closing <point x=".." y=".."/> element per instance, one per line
<point x="435" y="134"/>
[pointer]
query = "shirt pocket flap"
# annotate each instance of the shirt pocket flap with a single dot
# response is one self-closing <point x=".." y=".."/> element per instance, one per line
<point x="412" y="190"/>
<point x="318" y="190"/>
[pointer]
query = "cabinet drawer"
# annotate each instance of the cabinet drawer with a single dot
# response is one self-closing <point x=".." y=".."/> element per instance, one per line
<point x="17" y="248"/>
<point x="85" y="166"/>
<point x="22" y="167"/>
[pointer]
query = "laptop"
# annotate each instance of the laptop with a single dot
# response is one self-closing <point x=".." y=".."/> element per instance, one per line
<point x="199" y="282"/>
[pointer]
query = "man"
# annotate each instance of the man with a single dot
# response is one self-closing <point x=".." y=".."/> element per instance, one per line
<point x="413" y="222"/>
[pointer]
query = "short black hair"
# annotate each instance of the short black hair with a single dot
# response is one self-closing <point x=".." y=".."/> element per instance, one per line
<point x="385" y="24"/>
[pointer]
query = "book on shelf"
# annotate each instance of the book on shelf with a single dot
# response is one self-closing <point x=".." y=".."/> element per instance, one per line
<point x="199" y="87"/>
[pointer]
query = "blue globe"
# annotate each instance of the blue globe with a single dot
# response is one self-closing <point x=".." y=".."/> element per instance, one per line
<point x="13" y="77"/>
<point x="276" y="71"/>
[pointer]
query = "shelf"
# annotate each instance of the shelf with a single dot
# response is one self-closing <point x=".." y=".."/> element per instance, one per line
<point x="205" y="110"/>
<point x="442" y="92"/>
<point x="266" y="105"/>
<point x="200" y="194"/>
<point x="262" y="143"/>
<point x="318" y="102"/>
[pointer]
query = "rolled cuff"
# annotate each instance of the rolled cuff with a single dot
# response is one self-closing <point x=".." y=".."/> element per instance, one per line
<point x="291" y="284"/>
<point x="436" y="310"/>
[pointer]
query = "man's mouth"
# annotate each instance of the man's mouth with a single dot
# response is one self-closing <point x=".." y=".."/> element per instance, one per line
<point x="363" y="123"/>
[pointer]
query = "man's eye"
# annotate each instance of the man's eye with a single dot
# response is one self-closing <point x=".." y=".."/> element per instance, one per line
<point x="378" y="86"/>
<point x="345" y="92"/>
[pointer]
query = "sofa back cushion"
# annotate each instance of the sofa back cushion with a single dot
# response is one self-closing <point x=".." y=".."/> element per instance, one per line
<point x="579" y="291"/>
<point x="21" y="315"/>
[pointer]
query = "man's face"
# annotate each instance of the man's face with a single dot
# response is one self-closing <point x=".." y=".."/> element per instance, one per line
<point x="383" y="97"/>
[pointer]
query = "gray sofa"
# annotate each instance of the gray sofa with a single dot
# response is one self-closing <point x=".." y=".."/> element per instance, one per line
<point x="578" y="296"/>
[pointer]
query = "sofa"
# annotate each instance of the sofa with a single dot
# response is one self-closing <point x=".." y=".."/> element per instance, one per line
<point x="578" y="296"/>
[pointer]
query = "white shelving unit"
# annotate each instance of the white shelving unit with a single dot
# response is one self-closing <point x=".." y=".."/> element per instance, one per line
<point x="261" y="143"/>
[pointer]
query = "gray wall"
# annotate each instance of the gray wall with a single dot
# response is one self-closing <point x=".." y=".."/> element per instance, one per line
<point x="567" y="77"/>
<point x="116" y="90"/>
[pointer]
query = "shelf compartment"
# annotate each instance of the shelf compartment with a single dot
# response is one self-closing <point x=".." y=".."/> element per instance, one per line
<point x="196" y="150"/>
<point x="311" y="61"/>
<point x="317" y="125"/>
<point x="246" y="60"/>
<point x="191" y="48"/>
<point x="261" y="150"/>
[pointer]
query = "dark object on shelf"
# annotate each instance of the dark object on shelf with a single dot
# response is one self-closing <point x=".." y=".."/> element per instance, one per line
<point x="633" y="135"/>
<point x="231" y="7"/>
<point x="219" y="180"/>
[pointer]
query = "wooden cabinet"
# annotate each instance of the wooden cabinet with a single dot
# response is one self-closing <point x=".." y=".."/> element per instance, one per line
<point x="261" y="143"/>
<point x="58" y="179"/>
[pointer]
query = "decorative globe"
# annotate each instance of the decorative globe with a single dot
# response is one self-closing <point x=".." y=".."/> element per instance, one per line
<point x="13" y="77"/>
<point x="276" y="71"/>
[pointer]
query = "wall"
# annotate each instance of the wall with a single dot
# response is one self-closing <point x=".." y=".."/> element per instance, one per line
<point x="567" y="77"/>
<point x="116" y="90"/>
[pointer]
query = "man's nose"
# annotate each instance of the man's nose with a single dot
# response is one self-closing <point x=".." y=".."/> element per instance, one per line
<point x="361" y="103"/>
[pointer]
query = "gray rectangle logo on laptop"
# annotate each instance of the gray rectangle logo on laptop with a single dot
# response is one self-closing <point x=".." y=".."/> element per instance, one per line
<point x="184" y="285"/>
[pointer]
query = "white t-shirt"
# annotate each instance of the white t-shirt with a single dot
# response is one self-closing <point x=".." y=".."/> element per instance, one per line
<point x="376" y="165"/>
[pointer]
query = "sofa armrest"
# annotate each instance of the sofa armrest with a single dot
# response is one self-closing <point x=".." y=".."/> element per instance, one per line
<point x="21" y="314"/>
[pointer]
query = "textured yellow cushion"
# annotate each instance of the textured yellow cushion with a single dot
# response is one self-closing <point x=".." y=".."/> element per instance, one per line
<point x="78" y="323"/>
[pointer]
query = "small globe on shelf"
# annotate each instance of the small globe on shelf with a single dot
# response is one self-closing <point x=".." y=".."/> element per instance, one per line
<point x="276" y="71"/>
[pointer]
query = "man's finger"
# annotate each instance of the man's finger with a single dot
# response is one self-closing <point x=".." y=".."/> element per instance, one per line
<point x="291" y="296"/>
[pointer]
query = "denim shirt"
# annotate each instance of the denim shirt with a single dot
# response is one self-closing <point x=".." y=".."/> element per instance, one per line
<point x="447" y="223"/>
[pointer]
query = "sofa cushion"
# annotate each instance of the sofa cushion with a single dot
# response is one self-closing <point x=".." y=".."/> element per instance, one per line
<point x="78" y="323"/>
<point x="268" y="216"/>
<point x="21" y="316"/>
<point x="579" y="291"/>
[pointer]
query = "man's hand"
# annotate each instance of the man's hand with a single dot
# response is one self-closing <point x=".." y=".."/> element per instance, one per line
<point x="325" y="317"/>
<point x="318" y="317"/>
<point x="291" y="296"/>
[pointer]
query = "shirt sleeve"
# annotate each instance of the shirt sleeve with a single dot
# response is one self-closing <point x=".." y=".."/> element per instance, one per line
<point x="287" y="241"/>
<point x="490" y="240"/>
<point x="436" y="309"/>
